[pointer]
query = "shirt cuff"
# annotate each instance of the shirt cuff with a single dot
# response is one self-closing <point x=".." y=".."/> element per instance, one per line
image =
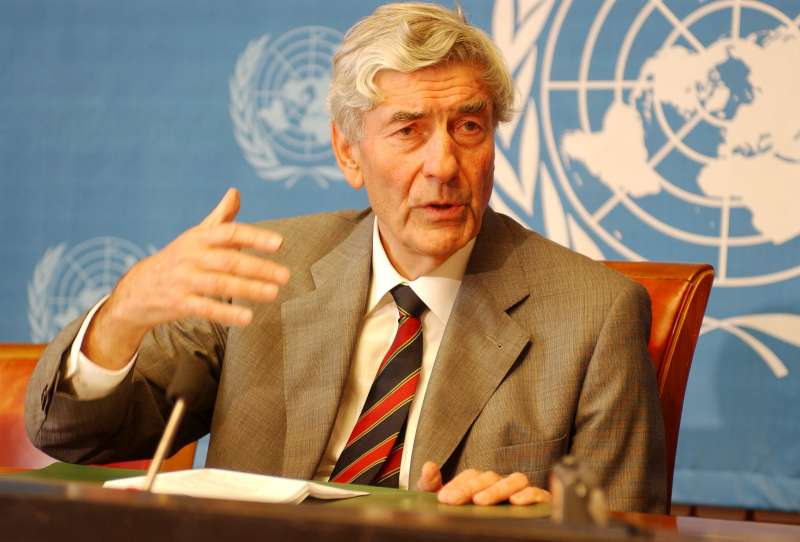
<point x="87" y="379"/>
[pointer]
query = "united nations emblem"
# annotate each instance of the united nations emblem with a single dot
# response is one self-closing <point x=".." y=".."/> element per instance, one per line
<point x="277" y="105"/>
<point x="66" y="283"/>
<point x="658" y="129"/>
<point x="691" y="135"/>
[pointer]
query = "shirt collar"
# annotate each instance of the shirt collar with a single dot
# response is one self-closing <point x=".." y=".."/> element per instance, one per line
<point x="437" y="289"/>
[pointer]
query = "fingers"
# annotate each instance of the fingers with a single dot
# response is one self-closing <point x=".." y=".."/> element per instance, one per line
<point x="231" y="274"/>
<point x="226" y="209"/>
<point x="228" y="274"/>
<point x="224" y="313"/>
<point x="243" y="265"/>
<point x="461" y="489"/>
<point x="530" y="495"/>
<point x="487" y="488"/>
<point x="233" y="287"/>
<point x="235" y="235"/>
<point x="218" y="228"/>
<point x="202" y="289"/>
<point x="431" y="477"/>
<point x="502" y="490"/>
<point x="206" y="264"/>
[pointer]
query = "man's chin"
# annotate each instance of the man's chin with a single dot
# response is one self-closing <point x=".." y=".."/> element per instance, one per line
<point x="442" y="247"/>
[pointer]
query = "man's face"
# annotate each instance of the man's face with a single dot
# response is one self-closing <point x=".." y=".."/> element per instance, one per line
<point x="427" y="161"/>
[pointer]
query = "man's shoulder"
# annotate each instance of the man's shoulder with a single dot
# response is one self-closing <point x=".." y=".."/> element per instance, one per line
<point x="302" y="224"/>
<point x="544" y="259"/>
<point x="325" y="228"/>
<point x="307" y="237"/>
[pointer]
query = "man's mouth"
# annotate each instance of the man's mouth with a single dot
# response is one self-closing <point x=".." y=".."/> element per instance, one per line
<point x="444" y="210"/>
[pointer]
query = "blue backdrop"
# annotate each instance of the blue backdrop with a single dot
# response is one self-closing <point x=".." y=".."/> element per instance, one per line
<point x="659" y="130"/>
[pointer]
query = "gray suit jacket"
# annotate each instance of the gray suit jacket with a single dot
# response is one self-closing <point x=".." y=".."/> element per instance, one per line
<point x="545" y="353"/>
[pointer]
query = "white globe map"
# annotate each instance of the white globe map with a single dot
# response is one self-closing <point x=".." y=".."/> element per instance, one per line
<point x="735" y="85"/>
<point x="711" y="124"/>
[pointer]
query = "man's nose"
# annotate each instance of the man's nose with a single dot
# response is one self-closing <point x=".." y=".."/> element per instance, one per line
<point x="440" y="162"/>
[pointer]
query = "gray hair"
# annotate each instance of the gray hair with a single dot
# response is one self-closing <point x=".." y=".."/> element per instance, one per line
<point x="405" y="38"/>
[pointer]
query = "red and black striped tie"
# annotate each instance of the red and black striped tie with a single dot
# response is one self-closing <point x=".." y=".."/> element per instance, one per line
<point x="373" y="451"/>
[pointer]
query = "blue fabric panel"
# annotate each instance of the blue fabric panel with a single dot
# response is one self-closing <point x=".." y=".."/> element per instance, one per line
<point x="645" y="130"/>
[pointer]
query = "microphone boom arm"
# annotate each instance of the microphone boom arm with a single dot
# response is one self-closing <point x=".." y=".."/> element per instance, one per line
<point x="165" y="443"/>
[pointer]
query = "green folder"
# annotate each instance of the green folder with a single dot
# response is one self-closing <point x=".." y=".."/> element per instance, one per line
<point x="379" y="497"/>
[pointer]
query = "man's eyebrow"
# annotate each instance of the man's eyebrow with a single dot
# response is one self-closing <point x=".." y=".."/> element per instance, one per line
<point x="472" y="108"/>
<point x="406" y="116"/>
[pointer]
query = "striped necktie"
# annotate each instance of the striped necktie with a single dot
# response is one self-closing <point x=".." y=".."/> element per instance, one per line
<point x="373" y="451"/>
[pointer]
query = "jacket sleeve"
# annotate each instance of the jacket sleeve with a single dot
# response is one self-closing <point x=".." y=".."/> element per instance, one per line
<point x="127" y="423"/>
<point x="619" y="430"/>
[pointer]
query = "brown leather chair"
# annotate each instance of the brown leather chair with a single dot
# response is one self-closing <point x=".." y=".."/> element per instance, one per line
<point x="16" y="451"/>
<point x="678" y="295"/>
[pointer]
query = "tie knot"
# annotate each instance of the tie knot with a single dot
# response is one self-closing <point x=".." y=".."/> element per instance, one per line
<point x="407" y="300"/>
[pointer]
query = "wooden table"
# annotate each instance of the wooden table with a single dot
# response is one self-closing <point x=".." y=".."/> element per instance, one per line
<point x="52" y="506"/>
<point x="716" y="529"/>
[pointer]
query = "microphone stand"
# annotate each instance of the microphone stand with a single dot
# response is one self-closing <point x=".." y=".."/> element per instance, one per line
<point x="187" y="386"/>
<point x="165" y="443"/>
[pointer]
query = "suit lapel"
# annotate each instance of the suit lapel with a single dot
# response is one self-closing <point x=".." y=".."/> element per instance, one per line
<point x="480" y="344"/>
<point x="319" y="330"/>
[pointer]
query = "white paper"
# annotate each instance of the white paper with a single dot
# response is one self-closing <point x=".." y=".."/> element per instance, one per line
<point x="228" y="484"/>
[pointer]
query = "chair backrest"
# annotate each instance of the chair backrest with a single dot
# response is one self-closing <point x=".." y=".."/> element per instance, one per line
<point x="16" y="365"/>
<point x="678" y="295"/>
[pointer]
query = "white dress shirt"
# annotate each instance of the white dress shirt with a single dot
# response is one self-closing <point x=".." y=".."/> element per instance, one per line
<point x="437" y="289"/>
<point x="89" y="380"/>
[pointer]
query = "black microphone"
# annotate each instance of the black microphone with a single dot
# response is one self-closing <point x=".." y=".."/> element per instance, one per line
<point x="186" y="388"/>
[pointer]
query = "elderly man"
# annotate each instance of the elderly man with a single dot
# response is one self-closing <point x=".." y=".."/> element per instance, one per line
<point x="424" y="340"/>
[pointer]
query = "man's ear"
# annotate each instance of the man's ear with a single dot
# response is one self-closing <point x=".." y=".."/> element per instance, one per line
<point x="346" y="154"/>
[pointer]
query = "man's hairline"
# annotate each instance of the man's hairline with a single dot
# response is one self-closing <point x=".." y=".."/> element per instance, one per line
<point x="360" y="132"/>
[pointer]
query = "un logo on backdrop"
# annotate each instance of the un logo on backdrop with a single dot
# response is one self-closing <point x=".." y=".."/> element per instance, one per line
<point x="66" y="283"/>
<point x="277" y="104"/>
<point x="669" y="128"/>
<point x="692" y="135"/>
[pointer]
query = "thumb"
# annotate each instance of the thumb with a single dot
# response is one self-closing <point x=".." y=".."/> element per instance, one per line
<point x="226" y="209"/>
<point x="430" y="479"/>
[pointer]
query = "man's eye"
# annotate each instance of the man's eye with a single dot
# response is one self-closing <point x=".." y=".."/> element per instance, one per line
<point x="405" y="131"/>
<point x="470" y="126"/>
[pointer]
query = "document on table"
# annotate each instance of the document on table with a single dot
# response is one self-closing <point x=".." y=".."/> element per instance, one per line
<point x="228" y="484"/>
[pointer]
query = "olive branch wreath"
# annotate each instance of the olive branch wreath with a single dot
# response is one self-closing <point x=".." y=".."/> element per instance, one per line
<point x="37" y="293"/>
<point x="516" y="26"/>
<point x="243" y="114"/>
<point x="782" y="326"/>
<point x="39" y="318"/>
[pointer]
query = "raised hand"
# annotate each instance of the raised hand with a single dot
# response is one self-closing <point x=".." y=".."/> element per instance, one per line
<point x="187" y="279"/>
<point x="481" y="487"/>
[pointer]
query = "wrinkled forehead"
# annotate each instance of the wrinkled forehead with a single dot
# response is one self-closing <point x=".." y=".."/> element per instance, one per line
<point x="457" y="88"/>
